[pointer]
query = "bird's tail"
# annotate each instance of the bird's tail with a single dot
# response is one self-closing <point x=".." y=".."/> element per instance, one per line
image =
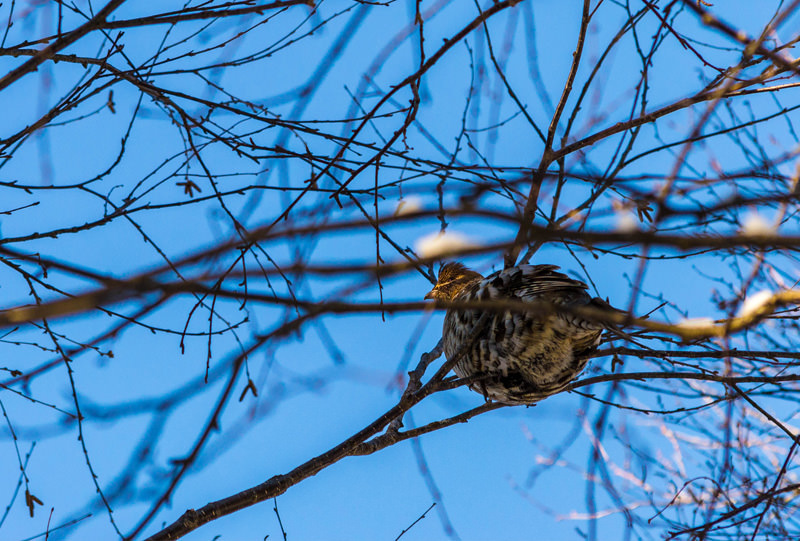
<point x="612" y="327"/>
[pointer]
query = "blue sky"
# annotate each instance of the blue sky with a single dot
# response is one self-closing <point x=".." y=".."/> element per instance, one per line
<point x="309" y="401"/>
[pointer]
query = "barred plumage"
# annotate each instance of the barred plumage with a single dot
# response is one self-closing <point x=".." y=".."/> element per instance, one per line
<point x="524" y="357"/>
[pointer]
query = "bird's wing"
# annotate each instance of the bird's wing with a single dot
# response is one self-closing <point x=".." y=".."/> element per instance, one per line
<point x="529" y="282"/>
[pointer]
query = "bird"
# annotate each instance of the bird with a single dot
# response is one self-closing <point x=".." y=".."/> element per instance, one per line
<point x="517" y="357"/>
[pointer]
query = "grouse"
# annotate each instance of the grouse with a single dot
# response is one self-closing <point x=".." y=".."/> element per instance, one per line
<point x="517" y="357"/>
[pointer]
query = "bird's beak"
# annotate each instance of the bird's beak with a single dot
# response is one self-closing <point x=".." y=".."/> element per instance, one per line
<point x="430" y="294"/>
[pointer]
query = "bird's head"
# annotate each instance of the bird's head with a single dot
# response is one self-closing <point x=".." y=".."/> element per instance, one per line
<point x="453" y="278"/>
